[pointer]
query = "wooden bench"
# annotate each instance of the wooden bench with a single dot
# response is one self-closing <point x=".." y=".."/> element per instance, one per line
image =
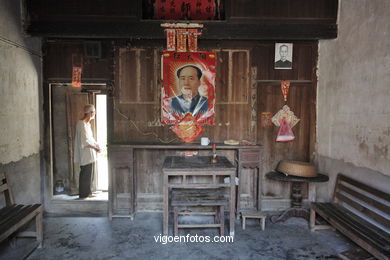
<point x="184" y="197"/>
<point x="359" y="212"/>
<point x="14" y="216"/>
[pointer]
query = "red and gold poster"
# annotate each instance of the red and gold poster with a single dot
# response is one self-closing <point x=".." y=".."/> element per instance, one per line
<point x="188" y="87"/>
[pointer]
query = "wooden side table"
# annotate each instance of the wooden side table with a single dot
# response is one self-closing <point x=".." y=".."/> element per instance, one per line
<point x="249" y="158"/>
<point x="296" y="209"/>
<point x="188" y="167"/>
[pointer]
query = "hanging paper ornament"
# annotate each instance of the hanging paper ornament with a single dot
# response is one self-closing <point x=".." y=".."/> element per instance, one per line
<point x="285" y="134"/>
<point x="193" y="39"/>
<point x="286" y="113"/>
<point x="285" y="85"/>
<point x="76" y="76"/>
<point x="181" y="40"/>
<point x="171" y="39"/>
<point x="188" y="129"/>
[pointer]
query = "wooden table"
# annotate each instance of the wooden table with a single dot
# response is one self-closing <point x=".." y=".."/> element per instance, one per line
<point x="122" y="197"/>
<point x="189" y="167"/>
<point x="297" y="209"/>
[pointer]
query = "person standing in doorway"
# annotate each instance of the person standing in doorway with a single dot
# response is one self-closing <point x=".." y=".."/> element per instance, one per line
<point x="85" y="149"/>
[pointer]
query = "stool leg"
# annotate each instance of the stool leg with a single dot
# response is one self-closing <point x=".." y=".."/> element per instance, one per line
<point x="263" y="223"/>
<point x="222" y="219"/>
<point x="175" y="221"/>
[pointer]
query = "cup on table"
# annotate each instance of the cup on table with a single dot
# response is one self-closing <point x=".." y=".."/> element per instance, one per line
<point x="204" y="141"/>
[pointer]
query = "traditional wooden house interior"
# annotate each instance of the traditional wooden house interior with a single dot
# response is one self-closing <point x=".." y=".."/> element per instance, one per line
<point x="326" y="108"/>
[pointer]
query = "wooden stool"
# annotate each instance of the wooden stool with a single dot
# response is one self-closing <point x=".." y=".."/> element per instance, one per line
<point x="198" y="197"/>
<point x="253" y="214"/>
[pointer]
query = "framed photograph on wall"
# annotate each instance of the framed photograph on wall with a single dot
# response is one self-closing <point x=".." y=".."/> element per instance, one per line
<point x="283" y="56"/>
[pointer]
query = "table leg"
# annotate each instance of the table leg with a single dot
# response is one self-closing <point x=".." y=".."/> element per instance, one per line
<point x="232" y="202"/>
<point x="296" y="209"/>
<point x="165" y="204"/>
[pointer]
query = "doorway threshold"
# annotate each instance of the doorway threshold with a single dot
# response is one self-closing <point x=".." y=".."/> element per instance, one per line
<point x="98" y="196"/>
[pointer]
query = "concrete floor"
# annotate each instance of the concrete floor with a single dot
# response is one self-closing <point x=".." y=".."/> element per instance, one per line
<point x="98" y="238"/>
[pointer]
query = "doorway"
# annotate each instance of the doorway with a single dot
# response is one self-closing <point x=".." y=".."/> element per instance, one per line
<point x="67" y="105"/>
<point x="101" y="138"/>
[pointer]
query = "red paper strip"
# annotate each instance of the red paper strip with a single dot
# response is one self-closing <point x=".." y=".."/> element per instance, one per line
<point x="171" y="39"/>
<point x="181" y="40"/>
<point x="193" y="39"/>
<point x="76" y="76"/>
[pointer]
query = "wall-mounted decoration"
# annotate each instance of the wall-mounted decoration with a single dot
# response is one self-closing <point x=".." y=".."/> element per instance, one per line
<point x="285" y="134"/>
<point x="76" y="76"/>
<point x="171" y="39"/>
<point x="188" y="86"/>
<point x="193" y="39"/>
<point x="265" y="119"/>
<point x="181" y="40"/>
<point x="283" y="55"/>
<point x="284" y="86"/>
<point x="286" y="120"/>
<point x="188" y="129"/>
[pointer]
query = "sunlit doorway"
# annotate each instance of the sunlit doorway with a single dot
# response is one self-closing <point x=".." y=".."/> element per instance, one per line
<point x="101" y="135"/>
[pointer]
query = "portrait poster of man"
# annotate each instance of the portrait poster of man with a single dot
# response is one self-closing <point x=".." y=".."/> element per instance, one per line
<point x="188" y="86"/>
<point x="283" y="55"/>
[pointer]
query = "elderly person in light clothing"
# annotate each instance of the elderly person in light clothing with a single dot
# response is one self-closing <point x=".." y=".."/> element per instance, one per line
<point x="85" y="148"/>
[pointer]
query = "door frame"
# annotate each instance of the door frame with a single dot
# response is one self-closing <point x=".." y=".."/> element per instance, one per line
<point x="48" y="188"/>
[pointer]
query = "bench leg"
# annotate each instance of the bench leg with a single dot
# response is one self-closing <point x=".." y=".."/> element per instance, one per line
<point x="313" y="225"/>
<point x="243" y="223"/>
<point x="175" y="221"/>
<point x="222" y="220"/>
<point x="262" y="220"/>
<point x="312" y="221"/>
<point x="39" y="228"/>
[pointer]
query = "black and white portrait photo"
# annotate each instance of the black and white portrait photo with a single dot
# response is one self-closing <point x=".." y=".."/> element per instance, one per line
<point x="283" y="55"/>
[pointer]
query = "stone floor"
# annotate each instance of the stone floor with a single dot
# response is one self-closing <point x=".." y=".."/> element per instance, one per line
<point x="98" y="238"/>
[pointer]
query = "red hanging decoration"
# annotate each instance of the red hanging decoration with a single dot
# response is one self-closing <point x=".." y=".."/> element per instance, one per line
<point x="193" y="39"/>
<point x="285" y="85"/>
<point x="181" y="40"/>
<point x="285" y="134"/>
<point x="188" y="129"/>
<point x="171" y="39"/>
<point x="76" y="76"/>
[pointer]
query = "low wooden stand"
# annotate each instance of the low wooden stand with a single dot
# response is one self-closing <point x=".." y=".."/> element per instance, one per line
<point x="253" y="214"/>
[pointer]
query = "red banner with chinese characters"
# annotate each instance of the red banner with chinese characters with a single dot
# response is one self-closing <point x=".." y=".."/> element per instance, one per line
<point x="185" y="9"/>
<point x="76" y="76"/>
<point x="188" y="86"/>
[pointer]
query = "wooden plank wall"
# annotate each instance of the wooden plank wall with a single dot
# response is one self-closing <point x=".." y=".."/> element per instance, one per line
<point x="301" y="100"/>
<point x="138" y="89"/>
<point x="135" y="66"/>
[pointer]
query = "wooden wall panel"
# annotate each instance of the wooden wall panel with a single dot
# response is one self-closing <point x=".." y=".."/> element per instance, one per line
<point x="61" y="55"/>
<point x="138" y="92"/>
<point x="301" y="100"/>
